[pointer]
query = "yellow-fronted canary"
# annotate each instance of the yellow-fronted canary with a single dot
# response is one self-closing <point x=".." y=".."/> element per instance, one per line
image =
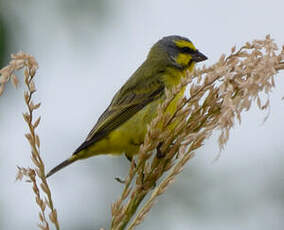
<point x="122" y="126"/>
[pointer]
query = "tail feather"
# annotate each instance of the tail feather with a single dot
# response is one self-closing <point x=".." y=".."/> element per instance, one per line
<point x="61" y="166"/>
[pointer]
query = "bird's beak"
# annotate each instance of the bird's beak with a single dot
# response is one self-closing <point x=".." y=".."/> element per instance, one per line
<point x="198" y="56"/>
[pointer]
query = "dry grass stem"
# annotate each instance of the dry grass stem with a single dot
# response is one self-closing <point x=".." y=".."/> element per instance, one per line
<point x="217" y="97"/>
<point x="30" y="66"/>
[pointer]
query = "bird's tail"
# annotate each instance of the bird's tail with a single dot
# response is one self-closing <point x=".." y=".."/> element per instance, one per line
<point x="62" y="165"/>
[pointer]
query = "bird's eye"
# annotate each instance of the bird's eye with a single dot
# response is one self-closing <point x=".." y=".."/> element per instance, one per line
<point x="186" y="50"/>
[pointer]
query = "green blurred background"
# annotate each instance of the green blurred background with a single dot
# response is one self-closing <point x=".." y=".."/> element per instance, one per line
<point x="86" y="50"/>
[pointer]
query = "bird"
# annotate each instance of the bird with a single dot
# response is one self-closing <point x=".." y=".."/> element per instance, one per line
<point x="123" y="125"/>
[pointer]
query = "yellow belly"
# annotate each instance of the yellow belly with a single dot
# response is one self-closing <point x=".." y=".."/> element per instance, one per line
<point x="128" y="137"/>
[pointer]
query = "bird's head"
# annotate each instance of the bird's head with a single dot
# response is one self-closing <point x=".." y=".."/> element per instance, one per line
<point x="176" y="51"/>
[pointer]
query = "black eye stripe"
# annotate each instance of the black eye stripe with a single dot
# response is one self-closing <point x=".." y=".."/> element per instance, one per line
<point x="186" y="50"/>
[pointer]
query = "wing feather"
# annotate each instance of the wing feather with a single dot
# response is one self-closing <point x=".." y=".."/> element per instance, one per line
<point x="127" y="102"/>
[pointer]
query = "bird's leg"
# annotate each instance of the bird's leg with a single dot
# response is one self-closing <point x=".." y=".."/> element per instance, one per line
<point x="159" y="152"/>
<point x="128" y="157"/>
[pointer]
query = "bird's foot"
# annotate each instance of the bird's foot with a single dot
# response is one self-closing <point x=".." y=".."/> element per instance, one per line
<point x="159" y="152"/>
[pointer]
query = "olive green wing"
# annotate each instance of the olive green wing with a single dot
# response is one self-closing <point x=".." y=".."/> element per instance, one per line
<point x="130" y="99"/>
